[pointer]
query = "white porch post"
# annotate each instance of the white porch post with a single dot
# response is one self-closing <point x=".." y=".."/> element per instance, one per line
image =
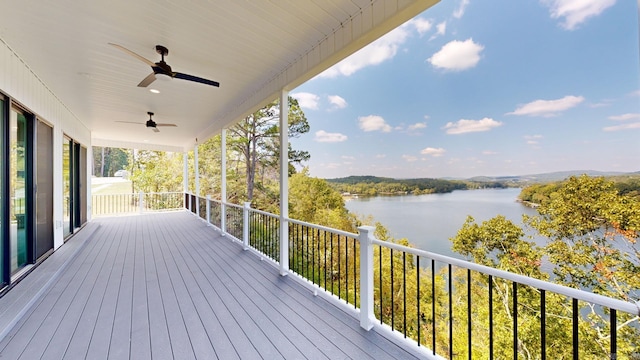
<point x="245" y="225"/>
<point x="284" y="182"/>
<point x="196" y="172"/>
<point x="223" y="184"/>
<point x="367" y="318"/>
<point x="208" y="209"/>
<point x="185" y="178"/>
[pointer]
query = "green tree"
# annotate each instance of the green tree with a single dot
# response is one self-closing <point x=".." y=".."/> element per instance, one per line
<point x="255" y="139"/>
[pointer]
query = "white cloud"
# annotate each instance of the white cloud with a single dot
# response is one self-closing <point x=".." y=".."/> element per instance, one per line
<point x="381" y="156"/>
<point x="421" y="25"/>
<point x="307" y="100"/>
<point x="635" y="93"/>
<point x="441" y="29"/>
<point x="417" y="126"/>
<point x="465" y="126"/>
<point x="323" y="136"/>
<point x="625" y="117"/>
<point x="575" y="12"/>
<point x="457" y="55"/>
<point x="346" y="157"/>
<point x="457" y="13"/>
<point x="375" y="53"/>
<point x="628" y="126"/>
<point x="533" y="139"/>
<point x="409" y="158"/>
<point x="435" y="152"/>
<point x="548" y="108"/>
<point x="373" y="123"/>
<point x="337" y="101"/>
<point x="489" y="152"/>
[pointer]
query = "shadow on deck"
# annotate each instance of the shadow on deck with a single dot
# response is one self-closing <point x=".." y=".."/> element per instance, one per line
<point x="166" y="285"/>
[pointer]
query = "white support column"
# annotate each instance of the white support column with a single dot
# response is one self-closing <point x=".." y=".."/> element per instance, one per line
<point x="223" y="184"/>
<point x="367" y="318"/>
<point x="209" y="210"/>
<point x="284" y="182"/>
<point x="196" y="171"/>
<point x="140" y="201"/>
<point x="185" y="178"/>
<point x="245" y="225"/>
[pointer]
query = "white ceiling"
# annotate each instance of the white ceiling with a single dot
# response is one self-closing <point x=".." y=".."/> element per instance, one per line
<point x="254" y="48"/>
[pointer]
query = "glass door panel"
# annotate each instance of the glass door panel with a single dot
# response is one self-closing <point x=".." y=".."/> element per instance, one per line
<point x="17" y="190"/>
<point x="66" y="186"/>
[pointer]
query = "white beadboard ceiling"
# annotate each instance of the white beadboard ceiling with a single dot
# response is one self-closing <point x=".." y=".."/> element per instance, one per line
<point x="254" y="48"/>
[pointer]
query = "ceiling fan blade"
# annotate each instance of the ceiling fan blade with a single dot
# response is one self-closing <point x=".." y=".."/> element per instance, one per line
<point x="155" y="129"/>
<point x="148" y="80"/>
<point x="196" y="79"/>
<point x="174" y="125"/>
<point x="130" y="122"/>
<point x="146" y="61"/>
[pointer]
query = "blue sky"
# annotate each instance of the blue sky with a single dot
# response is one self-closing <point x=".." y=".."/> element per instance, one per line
<point x="491" y="88"/>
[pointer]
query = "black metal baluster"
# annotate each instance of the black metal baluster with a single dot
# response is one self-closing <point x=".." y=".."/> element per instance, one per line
<point x="331" y="256"/>
<point x="469" y="311"/>
<point x="418" y="295"/>
<point x="515" y="320"/>
<point x="355" y="278"/>
<point x="543" y="325"/>
<point x="380" y="280"/>
<point x="404" y="292"/>
<point x="450" y="312"/>
<point x="613" y="330"/>
<point x="433" y="305"/>
<point x="393" y="304"/>
<point x="346" y="269"/>
<point x="490" y="317"/>
<point x="324" y="247"/>
<point x="575" y="329"/>
<point x="339" y="271"/>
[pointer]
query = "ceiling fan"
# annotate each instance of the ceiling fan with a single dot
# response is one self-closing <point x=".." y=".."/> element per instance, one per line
<point x="162" y="68"/>
<point x="150" y="123"/>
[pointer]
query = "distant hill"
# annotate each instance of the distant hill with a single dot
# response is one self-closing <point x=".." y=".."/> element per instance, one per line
<point x="548" y="177"/>
<point x="507" y="180"/>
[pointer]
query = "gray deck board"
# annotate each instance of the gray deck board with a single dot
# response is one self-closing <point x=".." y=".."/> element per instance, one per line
<point x="166" y="286"/>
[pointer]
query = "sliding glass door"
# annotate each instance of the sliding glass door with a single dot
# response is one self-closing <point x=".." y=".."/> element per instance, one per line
<point x="74" y="180"/>
<point x="66" y="185"/>
<point x="44" y="189"/>
<point x="18" y="194"/>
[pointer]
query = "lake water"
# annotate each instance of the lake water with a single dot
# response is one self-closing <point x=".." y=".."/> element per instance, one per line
<point x="428" y="221"/>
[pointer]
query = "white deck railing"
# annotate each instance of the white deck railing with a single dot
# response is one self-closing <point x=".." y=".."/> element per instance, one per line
<point x="431" y="300"/>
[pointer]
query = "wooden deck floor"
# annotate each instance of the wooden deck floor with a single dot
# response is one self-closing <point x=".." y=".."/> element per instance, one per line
<point x="166" y="286"/>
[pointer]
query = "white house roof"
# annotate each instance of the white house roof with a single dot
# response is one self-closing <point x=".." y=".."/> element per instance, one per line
<point x="253" y="48"/>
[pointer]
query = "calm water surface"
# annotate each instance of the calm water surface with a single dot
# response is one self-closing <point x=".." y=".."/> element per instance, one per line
<point x="428" y="221"/>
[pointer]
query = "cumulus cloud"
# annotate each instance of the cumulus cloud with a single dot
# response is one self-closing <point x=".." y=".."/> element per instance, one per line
<point x="337" y="101"/>
<point x="307" y="100"/>
<point x="327" y="137"/>
<point x="459" y="11"/>
<point x="574" y="12"/>
<point x="417" y="126"/>
<point x="435" y="152"/>
<point x="375" y="53"/>
<point x="547" y="108"/>
<point x="457" y="55"/>
<point x="628" y="126"/>
<point x="421" y="25"/>
<point x="373" y="123"/>
<point x="465" y="126"/>
<point x="625" y="117"/>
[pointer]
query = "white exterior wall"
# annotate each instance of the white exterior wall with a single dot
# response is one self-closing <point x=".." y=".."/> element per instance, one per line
<point x="24" y="87"/>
